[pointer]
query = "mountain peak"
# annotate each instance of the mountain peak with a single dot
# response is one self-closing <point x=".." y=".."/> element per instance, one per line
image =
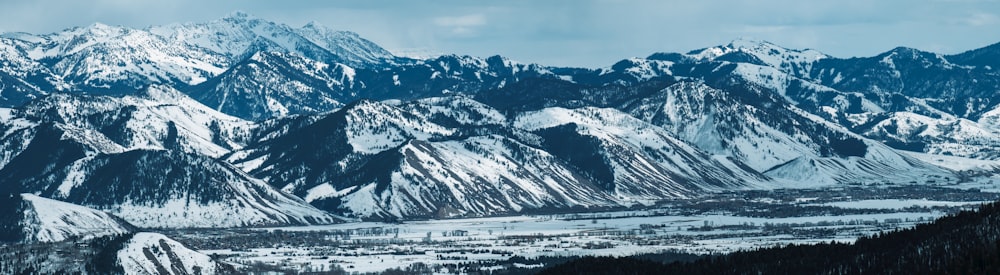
<point x="910" y="54"/>
<point x="757" y="52"/>
<point x="101" y="29"/>
<point x="750" y="43"/>
<point x="239" y="18"/>
<point x="238" y="15"/>
<point x="99" y="25"/>
<point x="907" y="50"/>
<point x="314" y="25"/>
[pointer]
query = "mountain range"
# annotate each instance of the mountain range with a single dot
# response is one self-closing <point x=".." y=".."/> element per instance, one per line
<point x="245" y="122"/>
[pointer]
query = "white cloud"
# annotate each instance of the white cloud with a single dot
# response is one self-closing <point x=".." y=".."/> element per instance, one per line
<point x="981" y="19"/>
<point x="471" y="20"/>
<point x="461" y="25"/>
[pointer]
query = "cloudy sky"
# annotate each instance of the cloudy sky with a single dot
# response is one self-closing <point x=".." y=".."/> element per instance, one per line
<point x="587" y="33"/>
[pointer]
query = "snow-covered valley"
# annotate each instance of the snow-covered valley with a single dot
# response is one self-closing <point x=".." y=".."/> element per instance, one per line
<point x="721" y="224"/>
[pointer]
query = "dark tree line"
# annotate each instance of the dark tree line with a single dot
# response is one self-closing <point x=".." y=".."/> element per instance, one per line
<point x="967" y="242"/>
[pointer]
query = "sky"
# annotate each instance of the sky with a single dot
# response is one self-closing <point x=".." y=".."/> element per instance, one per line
<point x="578" y="33"/>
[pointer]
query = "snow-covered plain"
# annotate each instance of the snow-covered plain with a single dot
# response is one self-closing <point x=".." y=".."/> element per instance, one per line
<point x="613" y="234"/>
<point x="376" y="247"/>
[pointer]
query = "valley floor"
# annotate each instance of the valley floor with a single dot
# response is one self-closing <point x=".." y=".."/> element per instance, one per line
<point x="719" y="223"/>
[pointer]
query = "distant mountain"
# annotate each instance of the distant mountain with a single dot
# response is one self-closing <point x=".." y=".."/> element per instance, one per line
<point x="741" y="119"/>
<point x="23" y="78"/>
<point x="857" y="93"/>
<point x="102" y="59"/>
<point x="275" y="84"/>
<point x="922" y="77"/>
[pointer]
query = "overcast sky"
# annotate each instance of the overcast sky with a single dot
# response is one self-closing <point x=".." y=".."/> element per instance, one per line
<point x="587" y="33"/>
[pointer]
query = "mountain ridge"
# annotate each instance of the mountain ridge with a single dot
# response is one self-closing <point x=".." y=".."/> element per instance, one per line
<point x="318" y="120"/>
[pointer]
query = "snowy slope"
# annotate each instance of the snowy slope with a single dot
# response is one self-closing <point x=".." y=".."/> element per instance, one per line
<point x="130" y="156"/>
<point x="189" y="191"/>
<point x="152" y="253"/>
<point x="272" y="84"/>
<point x="17" y="134"/>
<point x="453" y="156"/>
<point x="646" y="160"/>
<point x="316" y="151"/>
<point x="941" y="136"/>
<point x="22" y="78"/>
<point x="48" y="220"/>
<point x="485" y="175"/>
<point x="348" y="46"/>
<point x="275" y="84"/>
<point x="111" y="59"/>
<point x="759" y="128"/>
<point x="375" y="159"/>
<point x="718" y="123"/>
<point x="160" y="118"/>
<point x="239" y="35"/>
<point x="117" y="60"/>
<point x="795" y="62"/>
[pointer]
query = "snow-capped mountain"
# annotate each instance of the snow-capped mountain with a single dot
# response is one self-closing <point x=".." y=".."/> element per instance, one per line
<point x="757" y="128"/>
<point x="274" y="84"/>
<point x="158" y="117"/>
<point x="455" y="156"/>
<point x="349" y="47"/>
<point x="189" y="191"/>
<point x="90" y="150"/>
<point x="964" y="91"/>
<point x="102" y="59"/>
<point x="946" y="135"/>
<point x="23" y="78"/>
<point x="116" y="60"/>
<point x="795" y="62"/>
<point x="946" y="92"/>
<point x="903" y="79"/>
<point x="239" y="35"/>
